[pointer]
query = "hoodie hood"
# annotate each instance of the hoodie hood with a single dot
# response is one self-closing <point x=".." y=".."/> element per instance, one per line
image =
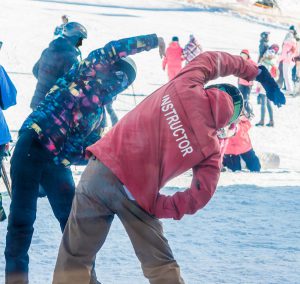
<point x="221" y="106"/>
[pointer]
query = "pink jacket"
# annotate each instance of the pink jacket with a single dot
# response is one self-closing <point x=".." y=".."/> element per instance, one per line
<point x="289" y="50"/>
<point x="174" y="57"/>
<point x="172" y="131"/>
<point x="240" y="143"/>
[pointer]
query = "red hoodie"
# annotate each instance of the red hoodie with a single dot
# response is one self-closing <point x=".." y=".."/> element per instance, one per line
<point x="172" y="131"/>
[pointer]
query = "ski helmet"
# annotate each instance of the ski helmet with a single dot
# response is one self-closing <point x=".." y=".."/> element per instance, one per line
<point x="127" y="65"/>
<point x="264" y="35"/>
<point x="74" y="29"/>
<point x="237" y="98"/>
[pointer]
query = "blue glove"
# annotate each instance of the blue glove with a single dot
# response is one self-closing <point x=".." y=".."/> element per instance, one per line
<point x="272" y="90"/>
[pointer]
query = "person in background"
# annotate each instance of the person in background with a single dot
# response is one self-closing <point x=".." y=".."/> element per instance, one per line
<point x="55" y="136"/>
<point x="270" y="61"/>
<point x="173" y="130"/>
<point x="173" y="59"/>
<point x="59" y="29"/>
<point x="56" y="60"/>
<point x="192" y="49"/>
<point x="297" y="53"/>
<point x="289" y="49"/>
<point x="8" y="95"/>
<point x="245" y="86"/>
<point x="239" y="147"/>
<point x="263" y="45"/>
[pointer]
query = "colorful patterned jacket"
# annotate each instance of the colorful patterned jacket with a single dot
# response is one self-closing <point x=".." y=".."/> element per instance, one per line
<point x="69" y="118"/>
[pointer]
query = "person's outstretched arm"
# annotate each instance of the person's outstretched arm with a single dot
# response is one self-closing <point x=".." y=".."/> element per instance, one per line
<point x="115" y="50"/>
<point x="210" y="65"/>
<point x="213" y="64"/>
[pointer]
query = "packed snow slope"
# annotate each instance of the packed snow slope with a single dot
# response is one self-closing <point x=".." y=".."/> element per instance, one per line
<point x="249" y="232"/>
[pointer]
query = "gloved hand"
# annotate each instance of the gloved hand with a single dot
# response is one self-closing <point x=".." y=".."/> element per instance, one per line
<point x="272" y="90"/>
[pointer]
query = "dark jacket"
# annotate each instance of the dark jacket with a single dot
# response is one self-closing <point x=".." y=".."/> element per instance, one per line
<point x="54" y="62"/>
<point x="69" y="118"/>
<point x="263" y="46"/>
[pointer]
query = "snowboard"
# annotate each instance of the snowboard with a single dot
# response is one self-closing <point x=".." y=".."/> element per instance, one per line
<point x="269" y="160"/>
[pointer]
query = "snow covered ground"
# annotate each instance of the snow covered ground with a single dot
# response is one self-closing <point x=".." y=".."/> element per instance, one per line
<point x="249" y="232"/>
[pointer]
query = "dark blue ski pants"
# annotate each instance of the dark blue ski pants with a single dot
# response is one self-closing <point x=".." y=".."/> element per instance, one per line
<point x="233" y="162"/>
<point x="32" y="165"/>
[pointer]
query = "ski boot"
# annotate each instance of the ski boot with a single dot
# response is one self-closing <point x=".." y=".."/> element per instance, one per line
<point x="270" y="124"/>
<point x="260" y="123"/>
<point x="2" y="214"/>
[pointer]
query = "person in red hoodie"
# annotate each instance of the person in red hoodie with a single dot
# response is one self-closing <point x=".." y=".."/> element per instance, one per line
<point x="171" y="131"/>
<point x="173" y="58"/>
<point x="240" y="147"/>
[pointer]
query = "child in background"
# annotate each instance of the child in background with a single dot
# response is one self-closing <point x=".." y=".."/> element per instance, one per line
<point x="239" y="146"/>
<point x="270" y="61"/>
<point x="192" y="49"/>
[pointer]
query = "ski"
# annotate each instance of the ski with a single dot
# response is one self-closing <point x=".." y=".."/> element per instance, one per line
<point x="5" y="178"/>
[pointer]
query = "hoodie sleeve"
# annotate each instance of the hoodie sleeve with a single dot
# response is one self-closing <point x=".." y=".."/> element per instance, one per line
<point x="115" y="50"/>
<point x="213" y="64"/>
<point x="204" y="183"/>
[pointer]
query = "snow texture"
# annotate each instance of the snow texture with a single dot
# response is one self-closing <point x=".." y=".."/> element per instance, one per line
<point x="249" y="232"/>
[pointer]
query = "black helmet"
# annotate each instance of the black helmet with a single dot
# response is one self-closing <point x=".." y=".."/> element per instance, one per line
<point x="264" y="34"/>
<point x="127" y="65"/>
<point x="237" y="98"/>
<point x="74" y="29"/>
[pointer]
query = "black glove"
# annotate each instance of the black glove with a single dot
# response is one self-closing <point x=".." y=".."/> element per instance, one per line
<point x="272" y="90"/>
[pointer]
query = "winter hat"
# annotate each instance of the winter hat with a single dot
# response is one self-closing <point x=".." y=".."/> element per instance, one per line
<point x="292" y="28"/>
<point x="175" y="38"/>
<point x="235" y="94"/>
<point x="246" y="51"/>
<point x="127" y="65"/>
<point x="274" y="47"/>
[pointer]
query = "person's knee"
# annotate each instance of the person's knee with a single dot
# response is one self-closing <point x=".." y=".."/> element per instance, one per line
<point x="21" y="217"/>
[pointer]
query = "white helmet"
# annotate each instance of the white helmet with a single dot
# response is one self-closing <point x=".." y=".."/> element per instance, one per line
<point x="127" y="65"/>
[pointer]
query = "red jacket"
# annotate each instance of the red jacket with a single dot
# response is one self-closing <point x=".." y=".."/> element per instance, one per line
<point x="172" y="131"/>
<point x="240" y="143"/>
<point x="174" y="56"/>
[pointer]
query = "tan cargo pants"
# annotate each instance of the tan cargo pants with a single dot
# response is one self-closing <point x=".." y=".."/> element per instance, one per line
<point x="99" y="196"/>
